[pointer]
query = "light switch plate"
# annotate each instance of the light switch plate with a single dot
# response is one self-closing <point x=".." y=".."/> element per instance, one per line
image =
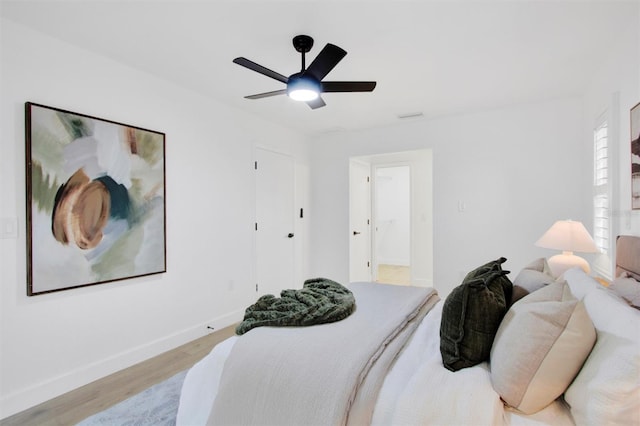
<point x="8" y="227"/>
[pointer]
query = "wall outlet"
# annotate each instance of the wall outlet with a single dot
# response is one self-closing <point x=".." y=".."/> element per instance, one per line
<point x="8" y="227"/>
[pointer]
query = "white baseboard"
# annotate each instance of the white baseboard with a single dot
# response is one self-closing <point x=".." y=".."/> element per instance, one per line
<point x="36" y="394"/>
<point x="422" y="282"/>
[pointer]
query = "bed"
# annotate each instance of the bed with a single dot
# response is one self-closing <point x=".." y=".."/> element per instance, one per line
<point x="565" y="351"/>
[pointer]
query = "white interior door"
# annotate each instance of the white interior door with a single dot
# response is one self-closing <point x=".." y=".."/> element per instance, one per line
<point x="360" y="228"/>
<point x="274" y="222"/>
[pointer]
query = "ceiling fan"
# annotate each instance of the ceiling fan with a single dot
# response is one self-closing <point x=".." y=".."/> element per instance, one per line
<point x="307" y="85"/>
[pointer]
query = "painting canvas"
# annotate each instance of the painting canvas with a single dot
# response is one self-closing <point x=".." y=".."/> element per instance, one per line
<point x="95" y="200"/>
<point x="635" y="157"/>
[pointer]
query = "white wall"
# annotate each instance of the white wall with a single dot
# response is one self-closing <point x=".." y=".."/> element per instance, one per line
<point x="56" y="342"/>
<point x="517" y="170"/>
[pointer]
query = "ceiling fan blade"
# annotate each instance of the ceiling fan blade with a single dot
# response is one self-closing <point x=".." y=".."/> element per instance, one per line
<point x="316" y="103"/>
<point x="328" y="58"/>
<point x="259" y="68"/>
<point x="267" y="94"/>
<point x="348" y="86"/>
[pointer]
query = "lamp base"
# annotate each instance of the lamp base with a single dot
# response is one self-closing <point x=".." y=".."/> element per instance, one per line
<point x="561" y="262"/>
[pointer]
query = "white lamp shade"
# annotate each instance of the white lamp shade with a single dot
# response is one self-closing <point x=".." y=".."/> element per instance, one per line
<point x="569" y="236"/>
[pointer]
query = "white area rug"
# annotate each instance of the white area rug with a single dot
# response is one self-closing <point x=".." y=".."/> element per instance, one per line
<point x="157" y="405"/>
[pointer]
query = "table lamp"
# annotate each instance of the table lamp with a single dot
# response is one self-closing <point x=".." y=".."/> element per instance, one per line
<point x="568" y="236"/>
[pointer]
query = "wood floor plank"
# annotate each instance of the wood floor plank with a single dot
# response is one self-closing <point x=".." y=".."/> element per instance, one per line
<point x="394" y="274"/>
<point x="77" y="405"/>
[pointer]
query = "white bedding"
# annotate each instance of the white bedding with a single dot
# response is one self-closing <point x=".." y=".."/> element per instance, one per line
<point x="418" y="390"/>
<point x="200" y="386"/>
<point x="418" y="383"/>
<point x="325" y="374"/>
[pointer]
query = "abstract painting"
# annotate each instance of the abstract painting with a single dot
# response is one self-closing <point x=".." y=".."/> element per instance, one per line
<point x="635" y="157"/>
<point x="95" y="200"/>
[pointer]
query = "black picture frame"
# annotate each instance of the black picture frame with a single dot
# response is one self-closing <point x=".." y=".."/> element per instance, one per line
<point x="635" y="156"/>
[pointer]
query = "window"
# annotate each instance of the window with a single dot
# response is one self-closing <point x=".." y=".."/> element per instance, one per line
<point x="601" y="191"/>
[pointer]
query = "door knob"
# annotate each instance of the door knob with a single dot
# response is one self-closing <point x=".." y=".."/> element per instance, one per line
<point x="356" y="233"/>
<point x="290" y="235"/>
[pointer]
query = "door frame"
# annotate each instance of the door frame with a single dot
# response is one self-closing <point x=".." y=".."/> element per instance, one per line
<point x="422" y="199"/>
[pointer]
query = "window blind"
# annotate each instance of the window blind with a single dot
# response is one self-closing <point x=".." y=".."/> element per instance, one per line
<point x="601" y="189"/>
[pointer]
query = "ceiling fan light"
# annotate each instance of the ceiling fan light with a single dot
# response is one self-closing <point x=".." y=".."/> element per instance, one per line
<point x="303" y="95"/>
<point x="302" y="88"/>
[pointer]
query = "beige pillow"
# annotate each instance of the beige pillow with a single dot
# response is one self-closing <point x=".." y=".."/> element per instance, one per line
<point x="627" y="288"/>
<point x="540" y="265"/>
<point x="532" y="277"/>
<point x="540" y="347"/>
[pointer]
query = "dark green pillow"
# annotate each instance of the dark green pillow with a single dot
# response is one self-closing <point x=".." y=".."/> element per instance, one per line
<point x="488" y="268"/>
<point x="471" y="315"/>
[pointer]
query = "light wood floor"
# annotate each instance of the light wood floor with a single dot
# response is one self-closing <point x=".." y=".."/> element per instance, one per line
<point x="77" y="405"/>
<point x="394" y="274"/>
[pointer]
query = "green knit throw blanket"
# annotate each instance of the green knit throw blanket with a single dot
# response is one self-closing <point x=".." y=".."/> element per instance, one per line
<point x="319" y="301"/>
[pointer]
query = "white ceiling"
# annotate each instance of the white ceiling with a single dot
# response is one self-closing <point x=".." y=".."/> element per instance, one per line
<point x="434" y="57"/>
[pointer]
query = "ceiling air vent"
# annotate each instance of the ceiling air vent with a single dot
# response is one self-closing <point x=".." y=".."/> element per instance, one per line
<point x="411" y="115"/>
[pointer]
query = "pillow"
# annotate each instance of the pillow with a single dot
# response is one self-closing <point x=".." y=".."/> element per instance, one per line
<point x="579" y="282"/>
<point x="627" y="288"/>
<point x="540" y="347"/>
<point x="532" y="277"/>
<point x="539" y="265"/>
<point x="488" y="269"/>
<point x="471" y="315"/>
<point x="607" y="389"/>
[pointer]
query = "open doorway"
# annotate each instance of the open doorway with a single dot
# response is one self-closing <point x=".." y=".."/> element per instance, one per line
<point x="392" y="232"/>
<point x="391" y="213"/>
